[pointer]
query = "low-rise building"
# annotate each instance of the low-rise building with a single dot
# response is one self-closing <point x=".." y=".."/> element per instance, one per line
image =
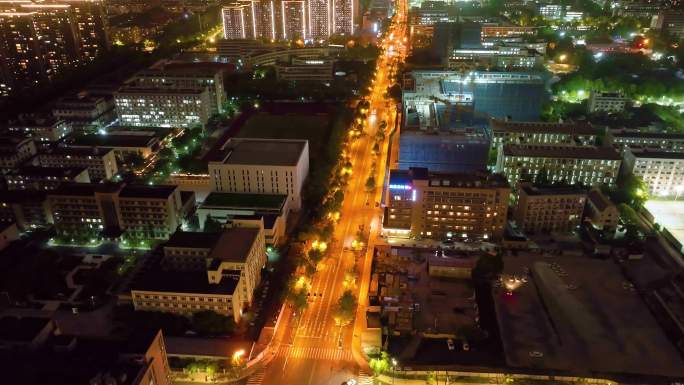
<point x="44" y="178"/>
<point x="248" y="210"/>
<point x="43" y="130"/>
<point x="446" y="205"/>
<point x="656" y="141"/>
<point x="549" y="208"/>
<point x="457" y="265"/>
<point x="85" y="112"/>
<point x="28" y="209"/>
<point x="601" y="211"/>
<point x="606" y="102"/>
<point x="663" y="172"/>
<point x="15" y="149"/>
<point x="25" y="333"/>
<point x="100" y="162"/>
<point x="262" y="166"/>
<point x="149" y="212"/>
<point x="306" y="69"/>
<point x="588" y="165"/>
<point x="123" y="144"/>
<point x="565" y="133"/>
<point x="162" y="107"/>
<point x="9" y="232"/>
<point x="501" y="57"/>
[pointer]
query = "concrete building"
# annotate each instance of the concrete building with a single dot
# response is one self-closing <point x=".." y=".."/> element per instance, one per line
<point x="100" y="162"/>
<point x="501" y="58"/>
<point x="15" y="150"/>
<point x="588" y="165"/>
<point x="262" y="166"/>
<point x="601" y="212"/>
<point x="27" y="209"/>
<point x="235" y="19"/>
<point x="161" y="107"/>
<point x="9" y="232"/>
<point x="85" y="112"/>
<point x="549" y="208"/>
<point x="205" y="271"/>
<point x="306" y="69"/>
<point x="660" y="170"/>
<point x="654" y="141"/>
<point x="445" y="205"/>
<point x="269" y="211"/>
<point x="43" y="130"/>
<point x="606" y="102"/>
<point x="143" y="212"/>
<point x="124" y="144"/>
<point x="44" y="178"/>
<point x="570" y="133"/>
<point x="670" y="21"/>
<point x="293" y="19"/>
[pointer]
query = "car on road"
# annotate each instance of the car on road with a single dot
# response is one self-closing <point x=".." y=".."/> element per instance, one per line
<point x="350" y="381"/>
<point x="450" y="344"/>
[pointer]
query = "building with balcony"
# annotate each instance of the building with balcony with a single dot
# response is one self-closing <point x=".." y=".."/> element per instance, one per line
<point x="606" y="102"/>
<point x="162" y="107"/>
<point x="653" y="141"/>
<point x="549" y="208"/>
<point x="565" y="133"/>
<point x="588" y="165"/>
<point x="100" y="162"/>
<point x="261" y="166"/>
<point x="663" y="172"/>
<point x="446" y="205"/>
<point x="149" y="212"/>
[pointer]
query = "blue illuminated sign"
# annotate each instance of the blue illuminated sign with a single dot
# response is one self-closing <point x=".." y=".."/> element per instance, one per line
<point x="400" y="187"/>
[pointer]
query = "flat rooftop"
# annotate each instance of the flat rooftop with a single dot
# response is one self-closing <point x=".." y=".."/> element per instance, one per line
<point x="647" y="135"/>
<point x="112" y="141"/>
<point x="272" y="152"/>
<point x="146" y="191"/>
<point x="193" y="282"/>
<point x="561" y="152"/>
<point x="246" y="200"/>
<point x="84" y="189"/>
<point x="658" y="155"/>
<point x="21" y="328"/>
<point x="234" y="244"/>
<point x="571" y="128"/>
<point x="552" y="190"/>
<point x="47" y="172"/>
<point x="443" y="179"/>
<point x="77" y="151"/>
<point x="192" y="239"/>
<point x="579" y="315"/>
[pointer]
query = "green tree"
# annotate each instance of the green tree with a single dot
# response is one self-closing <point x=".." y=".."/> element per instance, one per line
<point x="488" y="266"/>
<point x="208" y="322"/>
<point x="370" y="183"/>
<point x="315" y="256"/>
<point x="212" y="225"/>
<point x="380" y="364"/>
<point x="376" y="148"/>
<point x="346" y="305"/>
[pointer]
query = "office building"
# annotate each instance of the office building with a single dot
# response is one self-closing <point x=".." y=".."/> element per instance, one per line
<point x="27" y="208"/>
<point x="588" y="165"/>
<point x="143" y="212"/>
<point x="514" y="95"/>
<point x="306" y="69"/>
<point x="494" y="30"/>
<point x="205" y="271"/>
<point x="15" y="149"/>
<point x="655" y="141"/>
<point x="552" y="11"/>
<point x="670" y="21"/>
<point x="44" y="178"/>
<point x="43" y="130"/>
<point x="168" y="75"/>
<point x="445" y="205"/>
<point x="549" y="208"/>
<point x="660" y="170"/>
<point x="501" y="58"/>
<point x="563" y="133"/>
<point x="101" y="163"/>
<point x="601" y="212"/>
<point x="124" y="144"/>
<point x="85" y="112"/>
<point x="607" y="102"/>
<point x="262" y="166"/>
<point x="162" y="107"/>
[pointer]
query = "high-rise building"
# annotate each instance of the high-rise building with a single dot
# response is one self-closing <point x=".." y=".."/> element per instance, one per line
<point x="319" y="18"/>
<point x="293" y="15"/>
<point x="20" y="51"/>
<point x="235" y="21"/>
<point x="343" y="17"/>
<point x="92" y="26"/>
<point x="250" y="19"/>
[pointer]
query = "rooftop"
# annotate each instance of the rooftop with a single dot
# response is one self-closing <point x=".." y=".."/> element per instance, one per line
<point x="246" y="200"/>
<point x="184" y="282"/>
<point x="272" y="152"/>
<point x="647" y="135"/>
<point x="112" y="141"/>
<point x="21" y="328"/>
<point x="38" y="172"/>
<point x="193" y="239"/>
<point x="20" y="196"/>
<point x="599" y="200"/>
<point x="657" y="154"/>
<point x="552" y="190"/>
<point x="572" y="128"/>
<point x="443" y="179"/>
<point x="84" y="189"/>
<point x="561" y="152"/>
<point x="146" y="191"/>
<point x="234" y="244"/>
<point x="77" y="151"/>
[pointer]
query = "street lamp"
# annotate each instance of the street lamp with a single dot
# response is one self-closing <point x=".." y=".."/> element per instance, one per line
<point x="238" y="355"/>
<point x="394" y="370"/>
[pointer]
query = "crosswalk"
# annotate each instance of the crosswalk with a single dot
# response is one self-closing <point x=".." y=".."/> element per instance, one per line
<point x="364" y="378"/>
<point x="316" y="353"/>
<point x="257" y="377"/>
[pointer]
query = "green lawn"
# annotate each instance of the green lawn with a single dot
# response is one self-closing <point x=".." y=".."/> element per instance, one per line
<point x="289" y="126"/>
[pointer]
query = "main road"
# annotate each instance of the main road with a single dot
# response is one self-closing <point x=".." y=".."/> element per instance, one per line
<point x="310" y="348"/>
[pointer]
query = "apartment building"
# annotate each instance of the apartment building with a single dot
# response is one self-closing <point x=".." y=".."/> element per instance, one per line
<point x="44" y="178"/>
<point x="606" y="102"/>
<point x="27" y="208"/>
<point x="149" y="212"/>
<point x="446" y="205"/>
<point x="15" y="149"/>
<point x="162" y="107"/>
<point x="562" y="133"/>
<point x="262" y="166"/>
<point x="100" y="162"/>
<point x="142" y="211"/>
<point x="549" y="208"/>
<point x="85" y="112"/>
<point x="656" y="141"/>
<point x="670" y="21"/>
<point x="588" y="165"/>
<point x="43" y="130"/>
<point x="663" y="172"/>
<point x="305" y="69"/>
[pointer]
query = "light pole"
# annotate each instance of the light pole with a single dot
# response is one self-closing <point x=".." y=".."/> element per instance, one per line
<point x="394" y="371"/>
